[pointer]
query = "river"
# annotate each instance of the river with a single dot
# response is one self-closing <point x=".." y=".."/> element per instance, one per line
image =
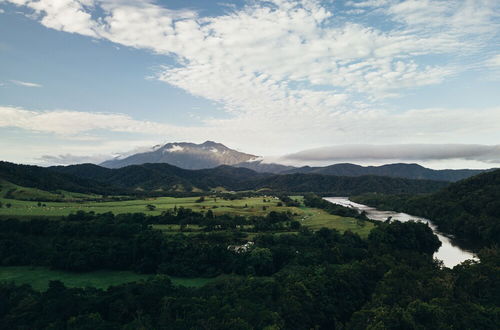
<point x="449" y="252"/>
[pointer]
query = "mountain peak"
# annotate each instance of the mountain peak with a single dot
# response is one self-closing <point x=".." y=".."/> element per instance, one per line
<point x="186" y="155"/>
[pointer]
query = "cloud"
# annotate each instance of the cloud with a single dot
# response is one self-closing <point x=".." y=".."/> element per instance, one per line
<point x="269" y="133"/>
<point x="70" y="159"/>
<point x="493" y="61"/>
<point x="397" y="152"/>
<point x="25" y="83"/>
<point x="288" y="73"/>
<point x="67" y="122"/>
<point x="282" y="52"/>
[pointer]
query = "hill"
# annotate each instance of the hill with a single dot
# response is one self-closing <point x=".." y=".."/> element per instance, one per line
<point x="185" y="155"/>
<point x="260" y="166"/>
<point x="155" y="178"/>
<point x="167" y="177"/>
<point x="401" y="170"/>
<point x="345" y="186"/>
<point x="48" y="180"/>
<point x="469" y="209"/>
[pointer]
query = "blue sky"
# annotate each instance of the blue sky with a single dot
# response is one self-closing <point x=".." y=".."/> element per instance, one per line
<point x="81" y="80"/>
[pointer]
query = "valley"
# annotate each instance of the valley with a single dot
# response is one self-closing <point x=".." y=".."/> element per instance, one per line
<point x="159" y="235"/>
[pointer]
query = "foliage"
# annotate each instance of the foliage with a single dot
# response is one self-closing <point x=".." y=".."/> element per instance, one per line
<point x="321" y="280"/>
<point x="469" y="209"/>
<point x="156" y="179"/>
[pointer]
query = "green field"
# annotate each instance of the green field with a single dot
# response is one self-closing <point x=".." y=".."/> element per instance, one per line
<point x="309" y="217"/>
<point x="39" y="277"/>
<point x="246" y="206"/>
<point x="315" y="219"/>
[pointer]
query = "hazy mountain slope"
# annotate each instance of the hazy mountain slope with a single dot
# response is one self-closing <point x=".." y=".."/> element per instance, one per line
<point x="345" y="186"/>
<point x="185" y="155"/>
<point x="46" y="179"/>
<point x="261" y="167"/>
<point x="469" y="208"/>
<point x="409" y="171"/>
<point x="165" y="177"/>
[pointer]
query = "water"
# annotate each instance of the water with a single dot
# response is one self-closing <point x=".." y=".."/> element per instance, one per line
<point x="449" y="252"/>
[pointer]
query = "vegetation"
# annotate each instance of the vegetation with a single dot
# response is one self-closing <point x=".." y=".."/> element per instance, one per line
<point x="246" y="260"/>
<point x="39" y="278"/>
<point x="469" y="209"/>
<point x="322" y="279"/>
<point x="157" y="179"/>
<point x="220" y="204"/>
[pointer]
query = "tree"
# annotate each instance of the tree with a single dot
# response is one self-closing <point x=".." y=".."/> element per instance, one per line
<point x="150" y="207"/>
<point x="8" y="205"/>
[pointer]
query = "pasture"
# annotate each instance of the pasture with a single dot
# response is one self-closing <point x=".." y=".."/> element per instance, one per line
<point x="245" y="206"/>
<point x="309" y="217"/>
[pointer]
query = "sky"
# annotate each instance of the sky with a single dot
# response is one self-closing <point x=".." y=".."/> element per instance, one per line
<point x="296" y="81"/>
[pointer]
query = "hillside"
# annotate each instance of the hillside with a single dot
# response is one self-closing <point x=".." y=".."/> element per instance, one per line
<point x="155" y="178"/>
<point x="345" y="186"/>
<point x="48" y="180"/>
<point x="469" y="209"/>
<point x="184" y="155"/>
<point x="167" y="177"/>
<point x="409" y="171"/>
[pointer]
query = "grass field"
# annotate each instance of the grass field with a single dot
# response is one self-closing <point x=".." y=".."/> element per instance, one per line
<point x="309" y="217"/>
<point x="39" y="277"/>
<point x="246" y="206"/>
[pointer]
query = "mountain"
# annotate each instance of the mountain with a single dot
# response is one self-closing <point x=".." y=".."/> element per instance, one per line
<point x="409" y="171"/>
<point x="345" y="186"/>
<point x="47" y="179"/>
<point x="184" y="155"/>
<point x="210" y="154"/>
<point x="259" y="166"/>
<point x="468" y="209"/>
<point x="165" y="178"/>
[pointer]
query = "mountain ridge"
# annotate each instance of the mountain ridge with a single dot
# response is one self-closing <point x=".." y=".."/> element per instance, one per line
<point x="165" y="178"/>
<point x="211" y="154"/>
<point x="402" y="170"/>
<point x="186" y="155"/>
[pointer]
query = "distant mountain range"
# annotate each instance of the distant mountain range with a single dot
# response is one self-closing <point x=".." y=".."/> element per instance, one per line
<point x="409" y="171"/>
<point x="161" y="178"/>
<point x="185" y="155"/>
<point x="212" y="154"/>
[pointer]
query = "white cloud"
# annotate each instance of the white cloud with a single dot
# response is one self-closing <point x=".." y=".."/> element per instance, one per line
<point x="66" y="122"/>
<point x="261" y="133"/>
<point x="268" y="48"/>
<point x="287" y="69"/>
<point x="494" y="61"/>
<point x="25" y="83"/>
<point x="407" y="152"/>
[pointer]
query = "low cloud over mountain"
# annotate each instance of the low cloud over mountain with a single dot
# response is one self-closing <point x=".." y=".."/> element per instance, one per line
<point x="397" y="152"/>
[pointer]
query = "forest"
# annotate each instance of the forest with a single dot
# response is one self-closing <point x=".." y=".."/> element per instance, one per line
<point x="321" y="279"/>
<point x="259" y="261"/>
<point x="156" y="179"/>
<point x="468" y="209"/>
